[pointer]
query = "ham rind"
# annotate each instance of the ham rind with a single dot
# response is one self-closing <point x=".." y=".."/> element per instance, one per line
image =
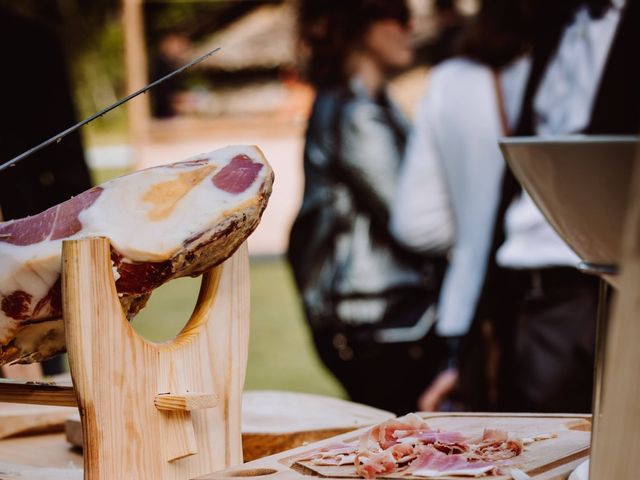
<point x="163" y="223"/>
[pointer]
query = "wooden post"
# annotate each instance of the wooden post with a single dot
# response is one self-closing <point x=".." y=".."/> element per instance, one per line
<point x="617" y="438"/>
<point x="136" y="74"/>
<point x="119" y="376"/>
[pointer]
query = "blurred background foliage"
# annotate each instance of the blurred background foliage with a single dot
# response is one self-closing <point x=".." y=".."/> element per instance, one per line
<point x="256" y="72"/>
<point x="92" y="34"/>
<point x="250" y="93"/>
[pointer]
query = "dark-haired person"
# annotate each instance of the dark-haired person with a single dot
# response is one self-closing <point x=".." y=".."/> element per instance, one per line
<point x="584" y="79"/>
<point x="452" y="173"/>
<point x="449" y="23"/>
<point x="38" y="103"/>
<point x="365" y="297"/>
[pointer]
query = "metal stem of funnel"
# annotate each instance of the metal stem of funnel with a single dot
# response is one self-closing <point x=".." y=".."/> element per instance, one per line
<point x="601" y="271"/>
<point x="602" y="328"/>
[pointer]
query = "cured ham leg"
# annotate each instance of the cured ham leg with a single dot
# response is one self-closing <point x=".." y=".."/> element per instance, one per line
<point x="163" y="223"/>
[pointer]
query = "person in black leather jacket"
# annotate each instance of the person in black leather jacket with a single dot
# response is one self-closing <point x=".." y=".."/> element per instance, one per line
<point x="369" y="302"/>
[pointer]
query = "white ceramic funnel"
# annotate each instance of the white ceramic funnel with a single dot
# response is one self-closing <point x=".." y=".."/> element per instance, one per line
<point x="581" y="185"/>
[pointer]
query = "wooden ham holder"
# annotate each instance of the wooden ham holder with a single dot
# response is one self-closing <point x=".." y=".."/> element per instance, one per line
<point x="150" y="411"/>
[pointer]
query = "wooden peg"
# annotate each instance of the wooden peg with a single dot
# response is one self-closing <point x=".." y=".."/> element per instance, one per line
<point x="179" y="427"/>
<point x="185" y="402"/>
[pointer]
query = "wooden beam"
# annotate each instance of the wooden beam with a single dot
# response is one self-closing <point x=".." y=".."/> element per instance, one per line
<point x="137" y="76"/>
<point x="37" y="393"/>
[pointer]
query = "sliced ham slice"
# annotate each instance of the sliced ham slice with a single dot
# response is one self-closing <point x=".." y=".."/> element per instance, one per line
<point x="496" y="445"/>
<point x="388" y="433"/>
<point x="372" y="464"/>
<point x="409" y="447"/>
<point x="434" y="436"/>
<point x="498" y="450"/>
<point x="393" y="444"/>
<point x="432" y="464"/>
<point x="163" y="223"/>
<point x="335" y="454"/>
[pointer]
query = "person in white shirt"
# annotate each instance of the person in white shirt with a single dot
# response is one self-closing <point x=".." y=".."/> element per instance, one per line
<point x="584" y="77"/>
<point x="548" y="308"/>
<point x="450" y="180"/>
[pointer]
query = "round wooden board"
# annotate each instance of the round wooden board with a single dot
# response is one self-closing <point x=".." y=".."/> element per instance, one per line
<point x="39" y="457"/>
<point x="274" y="421"/>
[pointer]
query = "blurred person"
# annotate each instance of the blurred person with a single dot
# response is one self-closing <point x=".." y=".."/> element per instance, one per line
<point x="584" y="79"/>
<point x="366" y="299"/>
<point x="38" y="103"/>
<point x="449" y="23"/>
<point x="173" y="49"/>
<point x="451" y="179"/>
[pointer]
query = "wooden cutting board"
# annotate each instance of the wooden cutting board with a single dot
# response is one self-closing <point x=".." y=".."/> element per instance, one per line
<point x="272" y="421"/>
<point x="39" y="457"/>
<point x="550" y="459"/>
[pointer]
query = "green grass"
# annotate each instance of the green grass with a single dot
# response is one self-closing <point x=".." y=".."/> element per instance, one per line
<point x="281" y="355"/>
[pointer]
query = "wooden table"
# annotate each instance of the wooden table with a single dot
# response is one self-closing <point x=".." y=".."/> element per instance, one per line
<point x="272" y="421"/>
<point x="50" y="457"/>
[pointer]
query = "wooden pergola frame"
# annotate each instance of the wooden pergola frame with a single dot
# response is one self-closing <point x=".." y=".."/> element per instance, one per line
<point x="137" y="73"/>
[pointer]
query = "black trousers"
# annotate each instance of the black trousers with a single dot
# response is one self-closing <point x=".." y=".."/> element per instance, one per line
<point x="390" y="376"/>
<point x="546" y="332"/>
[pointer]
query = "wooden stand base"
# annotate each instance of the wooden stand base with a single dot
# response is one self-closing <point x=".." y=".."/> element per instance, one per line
<point x="150" y="411"/>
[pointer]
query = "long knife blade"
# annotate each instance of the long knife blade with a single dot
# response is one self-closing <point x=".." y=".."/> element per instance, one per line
<point x="57" y="138"/>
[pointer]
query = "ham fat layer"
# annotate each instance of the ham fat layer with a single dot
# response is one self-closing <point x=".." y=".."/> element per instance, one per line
<point x="165" y="222"/>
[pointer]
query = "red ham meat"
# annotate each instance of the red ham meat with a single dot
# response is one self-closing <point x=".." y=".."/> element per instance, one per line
<point x="371" y="464"/>
<point x="394" y="444"/>
<point x="409" y="446"/>
<point x="390" y="432"/>
<point x="433" y="463"/>
<point x="165" y="222"/>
